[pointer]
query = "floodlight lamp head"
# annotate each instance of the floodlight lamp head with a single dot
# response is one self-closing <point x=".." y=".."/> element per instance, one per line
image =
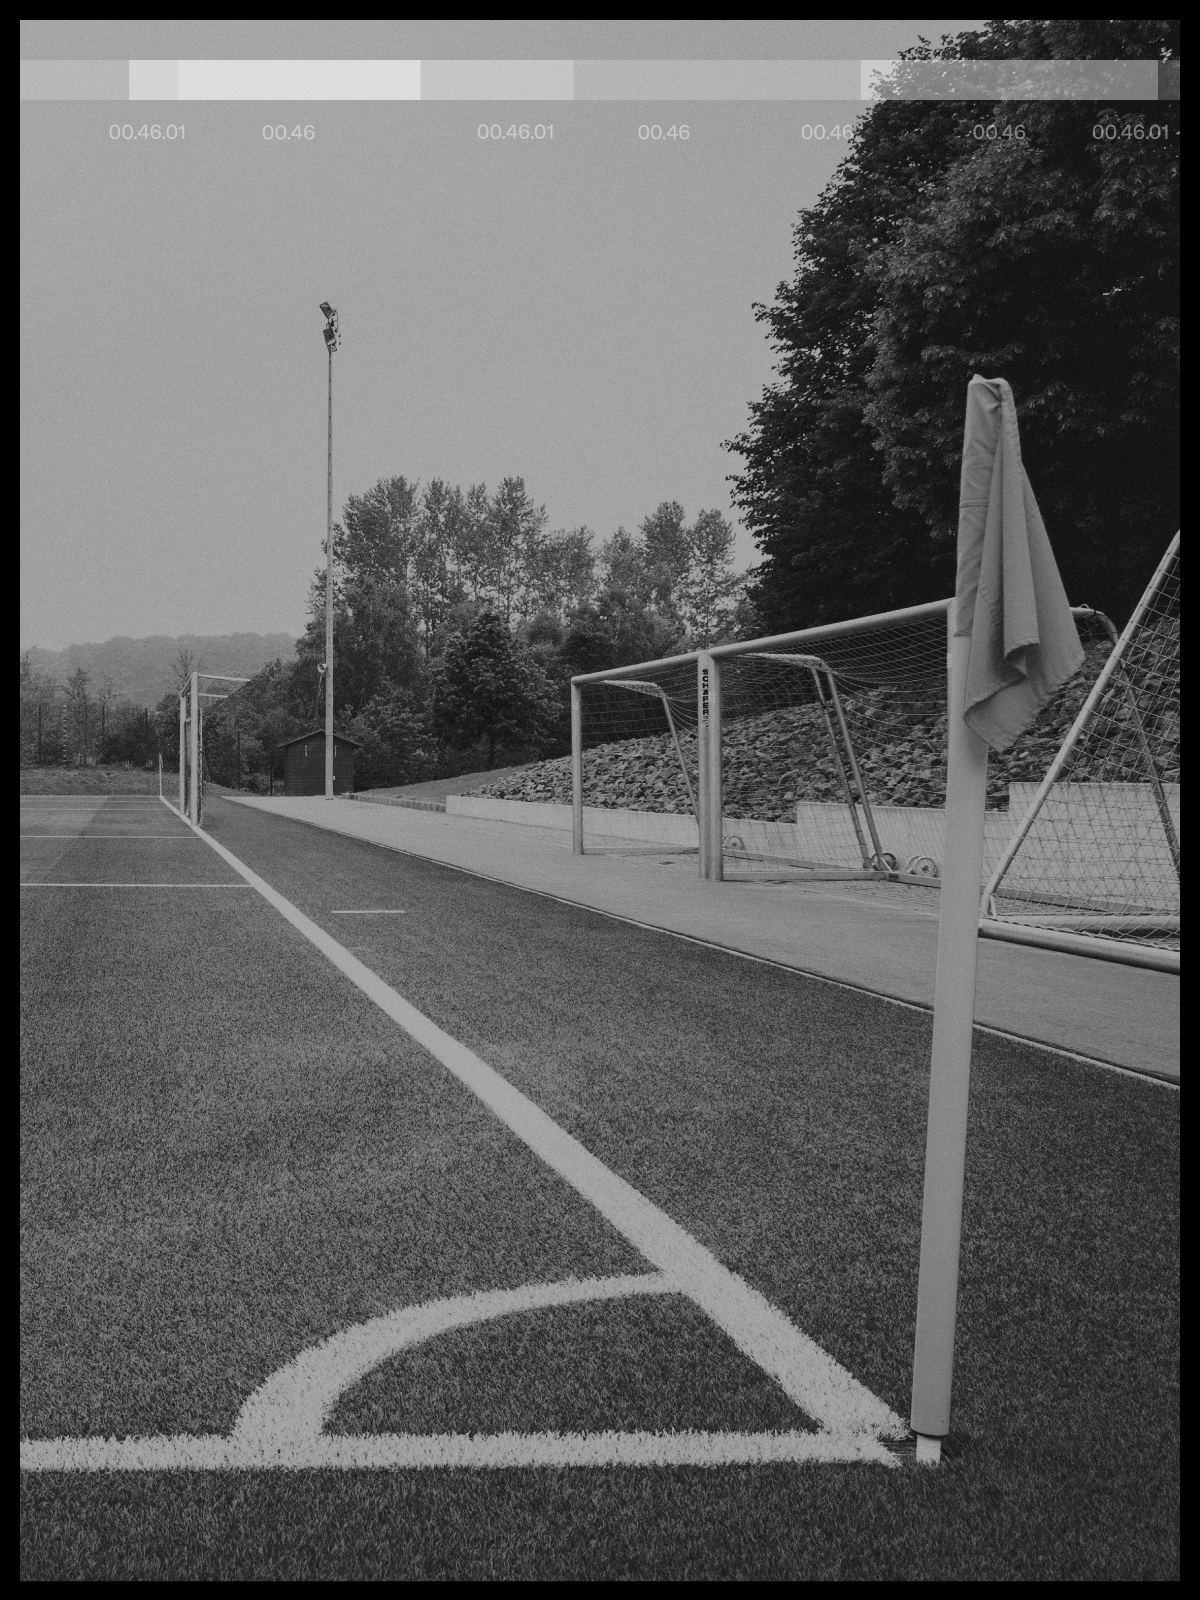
<point x="327" y="308"/>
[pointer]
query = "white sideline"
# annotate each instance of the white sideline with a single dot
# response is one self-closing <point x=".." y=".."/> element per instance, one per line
<point x="214" y="1452"/>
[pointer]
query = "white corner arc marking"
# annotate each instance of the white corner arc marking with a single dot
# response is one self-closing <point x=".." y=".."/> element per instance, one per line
<point x="291" y="1408"/>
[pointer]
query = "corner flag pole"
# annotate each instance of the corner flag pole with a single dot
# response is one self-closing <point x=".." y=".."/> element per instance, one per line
<point x="1012" y="645"/>
<point x="950" y="1071"/>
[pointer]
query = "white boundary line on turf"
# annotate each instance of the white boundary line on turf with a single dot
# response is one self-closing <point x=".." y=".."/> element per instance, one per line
<point x="1143" y="1075"/>
<point x="381" y="1451"/>
<point x="811" y="1378"/>
<point x="189" y="838"/>
<point x="36" y="884"/>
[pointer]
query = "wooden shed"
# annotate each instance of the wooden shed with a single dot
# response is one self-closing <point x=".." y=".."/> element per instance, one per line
<point x="304" y="764"/>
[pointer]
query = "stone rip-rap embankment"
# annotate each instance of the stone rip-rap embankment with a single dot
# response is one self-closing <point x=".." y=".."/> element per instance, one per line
<point x="778" y="757"/>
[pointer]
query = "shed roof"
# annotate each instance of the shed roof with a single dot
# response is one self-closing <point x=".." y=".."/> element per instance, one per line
<point x="319" y="733"/>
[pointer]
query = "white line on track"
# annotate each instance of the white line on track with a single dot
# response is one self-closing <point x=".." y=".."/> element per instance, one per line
<point x="37" y="885"/>
<point x="190" y="838"/>
<point x="280" y="1424"/>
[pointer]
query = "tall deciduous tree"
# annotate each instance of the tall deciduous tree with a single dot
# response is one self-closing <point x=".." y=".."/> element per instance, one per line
<point x="1049" y="258"/>
<point x="490" y="688"/>
<point x="667" y="551"/>
<point x="624" y="559"/>
<point x="709" y="589"/>
<point x="437" y="582"/>
<point x="563" y="572"/>
<point x="377" y="534"/>
<point x="514" y="537"/>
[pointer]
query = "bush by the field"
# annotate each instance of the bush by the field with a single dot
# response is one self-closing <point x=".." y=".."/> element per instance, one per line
<point x="91" y="780"/>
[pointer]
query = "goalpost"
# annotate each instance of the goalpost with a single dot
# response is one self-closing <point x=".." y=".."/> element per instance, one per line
<point x="820" y="752"/>
<point x="823" y="753"/>
<point x="1093" y="860"/>
<point x="192" y="770"/>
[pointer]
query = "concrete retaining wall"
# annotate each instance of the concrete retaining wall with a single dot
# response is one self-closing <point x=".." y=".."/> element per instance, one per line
<point x="1089" y="834"/>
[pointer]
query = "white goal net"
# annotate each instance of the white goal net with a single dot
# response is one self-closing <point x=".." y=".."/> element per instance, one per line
<point x="1094" y="847"/>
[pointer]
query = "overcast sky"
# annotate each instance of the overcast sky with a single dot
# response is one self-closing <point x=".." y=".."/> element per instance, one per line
<point x="577" y="312"/>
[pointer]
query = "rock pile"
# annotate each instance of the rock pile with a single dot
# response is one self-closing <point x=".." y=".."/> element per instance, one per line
<point x="779" y="757"/>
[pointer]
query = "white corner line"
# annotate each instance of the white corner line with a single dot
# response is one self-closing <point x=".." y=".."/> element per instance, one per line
<point x="811" y="1378"/>
<point x="391" y="1451"/>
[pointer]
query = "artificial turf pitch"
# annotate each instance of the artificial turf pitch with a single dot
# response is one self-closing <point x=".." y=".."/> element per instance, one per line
<point x="229" y="1153"/>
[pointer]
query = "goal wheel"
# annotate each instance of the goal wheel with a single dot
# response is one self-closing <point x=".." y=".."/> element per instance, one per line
<point x="924" y="867"/>
<point x="886" y="862"/>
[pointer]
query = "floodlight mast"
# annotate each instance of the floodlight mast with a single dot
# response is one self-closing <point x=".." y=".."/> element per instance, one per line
<point x="332" y="340"/>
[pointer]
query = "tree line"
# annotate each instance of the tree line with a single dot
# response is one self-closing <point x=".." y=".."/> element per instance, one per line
<point x="459" y="619"/>
<point x="77" y="722"/>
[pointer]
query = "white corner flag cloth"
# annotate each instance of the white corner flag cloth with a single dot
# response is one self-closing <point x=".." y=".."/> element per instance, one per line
<point x="1008" y="596"/>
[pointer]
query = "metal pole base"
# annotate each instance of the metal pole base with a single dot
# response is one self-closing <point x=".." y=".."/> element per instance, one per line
<point x="929" y="1451"/>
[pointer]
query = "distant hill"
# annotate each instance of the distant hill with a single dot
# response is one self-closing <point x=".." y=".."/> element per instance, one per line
<point x="143" y="670"/>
